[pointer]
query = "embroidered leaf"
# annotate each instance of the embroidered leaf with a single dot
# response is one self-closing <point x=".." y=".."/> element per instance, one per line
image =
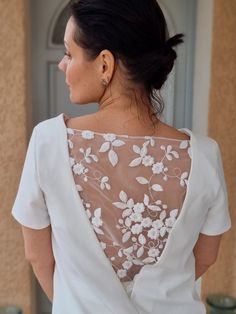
<point x="88" y="213"/>
<point x="169" y="148"/>
<point x="128" y="222"/>
<point x="88" y="151"/>
<point x="98" y="231"/>
<point x="162" y="231"/>
<point x="174" y="213"/>
<point x="128" y="251"/>
<point x="79" y="188"/>
<point x="123" y="196"/>
<point x="130" y="203"/>
<point x="142" y="180"/>
<point x="169" y="157"/>
<point x="120" y="205"/>
<point x="108" y="186"/>
<point x="71" y="145"/>
<point x="190" y="152"/>
<point x="146" y="199"/>
<point x="184" y="175"/>
<point x="154" y="208"/>
<point x="157" y="187"/>
<point x="136" y="149"/>
<point x="118" y="143"/>
<point x="105" y="147"/>
<point x="104" y="179"/>
<point x="143" y="151"/>
<point x="126" y="212"/>
<point x="70" y="131"/>
<point x="140" y="251"/>
<point x="97" y="212"/>
<point x="120" y="253"/>
<point x="175" y="154"/>
<point x="126" y="236"/>
<point x="152" y="142"/>
<point x="113" y="158"/>
<point x="135" y="162"/>
<point x="149" y="260"/>
<point x="163" y="215"/>
<point x="95" y="158"/>
<point x="137" y="262"/>
<point x="88" y="160"/>
<point x="142" y="239"/>
<point x="183" y="145"/>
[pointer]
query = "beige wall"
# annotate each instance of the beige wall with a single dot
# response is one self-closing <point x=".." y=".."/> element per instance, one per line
<point x="222" y="126"/>
<point x="15" y="275"/>
<point x="14" y="272"/>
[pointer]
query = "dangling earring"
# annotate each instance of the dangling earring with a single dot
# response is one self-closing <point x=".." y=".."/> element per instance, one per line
<point x="105" y="82"/>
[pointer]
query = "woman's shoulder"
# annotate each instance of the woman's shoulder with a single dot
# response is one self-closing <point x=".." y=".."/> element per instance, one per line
<point x="89" y="122"/>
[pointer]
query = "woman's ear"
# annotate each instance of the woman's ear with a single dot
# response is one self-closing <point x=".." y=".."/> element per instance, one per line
<point x="107" y="62"/>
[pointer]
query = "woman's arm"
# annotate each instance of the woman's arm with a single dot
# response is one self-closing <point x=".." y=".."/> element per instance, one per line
<point x="38" y="251"/>
<point x="205" y="252"/>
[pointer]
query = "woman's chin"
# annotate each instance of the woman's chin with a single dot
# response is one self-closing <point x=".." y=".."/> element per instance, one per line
<point x="74" y="100"/>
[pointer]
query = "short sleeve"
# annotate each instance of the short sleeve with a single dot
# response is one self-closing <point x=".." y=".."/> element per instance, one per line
<point x="218" y="218"/>
<point x="29" y="207"/>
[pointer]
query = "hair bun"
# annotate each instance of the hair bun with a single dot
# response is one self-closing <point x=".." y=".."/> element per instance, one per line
<point x="174" y="41"/>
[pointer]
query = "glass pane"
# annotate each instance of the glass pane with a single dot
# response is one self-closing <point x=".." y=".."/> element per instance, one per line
<point x="60" y="26"/>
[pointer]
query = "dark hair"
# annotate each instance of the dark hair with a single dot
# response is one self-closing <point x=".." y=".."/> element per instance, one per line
<point x="135" y="31"/>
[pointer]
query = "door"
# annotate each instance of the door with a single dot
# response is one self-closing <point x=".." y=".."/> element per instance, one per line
<point x="50" y="95"/>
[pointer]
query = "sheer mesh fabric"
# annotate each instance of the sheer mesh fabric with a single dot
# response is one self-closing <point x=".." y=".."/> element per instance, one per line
<point x="133" y="189"/>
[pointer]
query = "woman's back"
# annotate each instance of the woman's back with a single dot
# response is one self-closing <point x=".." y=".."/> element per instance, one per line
<point x="132" y="188"/>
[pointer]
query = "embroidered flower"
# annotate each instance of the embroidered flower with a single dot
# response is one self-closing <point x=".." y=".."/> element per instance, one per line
<point x="71" y="145"/>
<point x="137" y="228"/>
<point x="153" y="233"/>
<point x="139" y="208"/>
<point x="153" y="252"/>
<point x="72" y="161"/>
<point x="121" y="273"/>
<point x="70" y="131"/>
<point x="136" y="217"/>
<point x="109" y="137"/>
<point x="127" y="264"/>
<point x="158" y="167"/>
<point x="96" y="220"/>
<point x="147" y="161"/>
<point x="146" y="222"/>
<point x="78" y="168"/>
<point x="170" y="222"/>
<point x="157" y="224"/>
<point x="104" y="183"/>
<point x="87" y="134"/>
<point x="103" y="245"/>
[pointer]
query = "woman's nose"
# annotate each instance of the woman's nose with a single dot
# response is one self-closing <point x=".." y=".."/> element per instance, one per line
<point x="62" y="65"/>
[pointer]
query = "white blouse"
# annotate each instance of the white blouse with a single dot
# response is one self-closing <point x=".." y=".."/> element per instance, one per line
<point x="125" y="212"/>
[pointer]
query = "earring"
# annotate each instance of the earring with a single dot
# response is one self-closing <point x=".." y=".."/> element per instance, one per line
<point x="105" y="82"/>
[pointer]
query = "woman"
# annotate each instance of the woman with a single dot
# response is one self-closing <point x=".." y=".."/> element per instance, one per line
<point x="120" y="212"/>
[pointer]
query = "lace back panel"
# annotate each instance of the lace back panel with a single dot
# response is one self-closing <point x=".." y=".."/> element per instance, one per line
<point x="132" y="189"/>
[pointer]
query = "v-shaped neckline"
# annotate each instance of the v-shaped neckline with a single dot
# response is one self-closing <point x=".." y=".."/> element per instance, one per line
<point x="184" y="207"/>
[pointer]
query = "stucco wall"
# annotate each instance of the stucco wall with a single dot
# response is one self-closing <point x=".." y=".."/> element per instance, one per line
<point x="222" y="126"/>
<point x="14" y="272"/>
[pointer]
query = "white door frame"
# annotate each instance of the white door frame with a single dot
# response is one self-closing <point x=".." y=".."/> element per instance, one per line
<point x="202" y="68"/>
